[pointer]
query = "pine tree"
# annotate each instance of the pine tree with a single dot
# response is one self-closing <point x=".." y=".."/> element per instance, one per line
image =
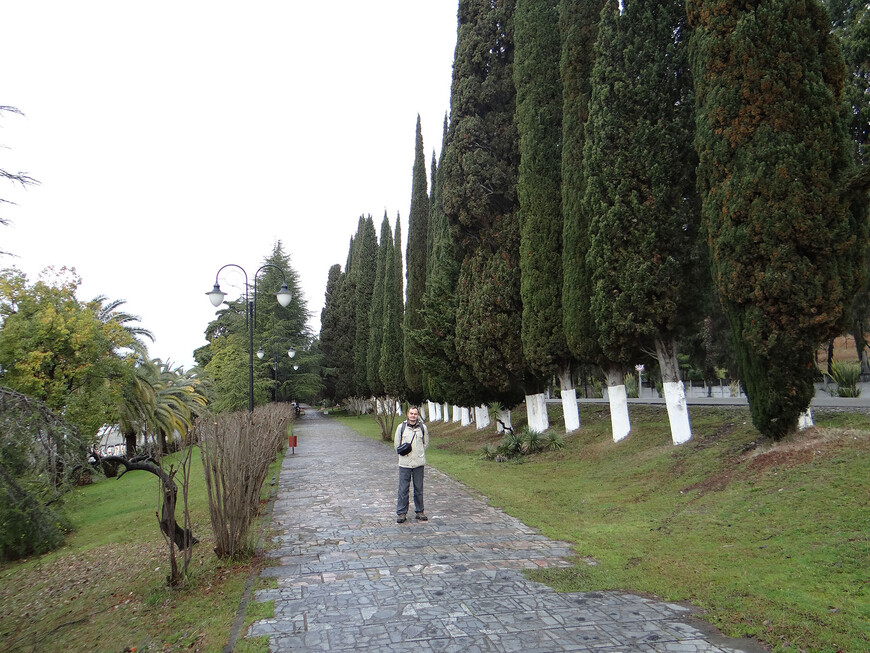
<point x="392" y="347"/>
<point x="418" y="228"/>
<point x="479" y="199"/>
<point x="376" y="311"/>
<point x="774" y="159"/>
<point x="644" y="250"/>
<point x="364" y="268"/>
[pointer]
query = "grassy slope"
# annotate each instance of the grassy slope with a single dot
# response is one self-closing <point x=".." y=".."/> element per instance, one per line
<point x="105" y="590"/>
<point x="773" y="541"/>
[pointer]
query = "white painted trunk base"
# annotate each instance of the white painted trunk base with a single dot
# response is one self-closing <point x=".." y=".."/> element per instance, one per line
<point x="456" y="414"/>
<point x="465" y="416"/>
<point x="806" y="420"/>
<point x="433" y="410"/>
<point x="570" y="410"/>
<point x="678" y="412"/>
<point x="536" y="412"/>
<point x="481" y="417"/>
<point x="504" y="417"/>
<point x="445" y="411"/>
<point x="619" y="420"/>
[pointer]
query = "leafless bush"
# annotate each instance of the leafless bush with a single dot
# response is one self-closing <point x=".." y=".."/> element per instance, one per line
<point x="356" y="405"/>
<point x="237" y="449"/>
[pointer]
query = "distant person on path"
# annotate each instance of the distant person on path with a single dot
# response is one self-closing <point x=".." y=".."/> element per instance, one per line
<point x="414" y="431"/>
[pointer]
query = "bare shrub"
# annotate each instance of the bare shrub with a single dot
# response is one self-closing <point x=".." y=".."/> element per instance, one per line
<point x="237" y="449"/>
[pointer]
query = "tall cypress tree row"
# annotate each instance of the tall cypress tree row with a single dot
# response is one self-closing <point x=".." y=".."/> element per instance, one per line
<point x="376" y="310"/>
<point x="479" y="199"/>
<point x="644" y="250"/>
<point x="418" y="228"/>
<point x="364" y="269"/>
<point x="393" y="344"/>
<point x="774" y="155"/>
<point x="539" y="189"/>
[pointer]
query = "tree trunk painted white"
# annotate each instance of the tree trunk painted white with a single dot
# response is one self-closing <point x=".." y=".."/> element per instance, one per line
<point x="481" y="416"/>
<point x="504" y="420"/>
<point x="422" y="410"/>
<point x="456" y="414"/>
<point x="570" y="410"/>
<point x="445" y="411"/>
<point x="465" y="416"/>
<point x="398" y="407"/>
<point x="675" y="393"/>
<point x="806" y="420"/>
<point x="536" y="412"/>
<point x="437" y="412"/>
<point x="620" y="423"/>
<point x="433" y="411"/>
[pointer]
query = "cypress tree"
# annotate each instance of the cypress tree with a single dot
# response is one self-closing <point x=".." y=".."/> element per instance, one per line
<point x="578" y="21"/>
<point x="539" y="123"/>
<point x="329" y="329"/>
<point x="774" y="158"/>
<point x="345" y="328"/>
<point x="479" y="199"/>
<point x="392" y="347"/>
<point x="364" y="269"/>
<point x="418" y="228"/>
<point x="640" y="190"/>
<point x="376" y="311"/>
<point x="445" y="379"/>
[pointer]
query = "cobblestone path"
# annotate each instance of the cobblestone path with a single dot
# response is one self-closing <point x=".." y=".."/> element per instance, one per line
<point x="350" y="578"/>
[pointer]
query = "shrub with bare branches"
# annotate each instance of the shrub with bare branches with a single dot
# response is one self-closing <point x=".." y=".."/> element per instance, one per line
<point x="237" y="449"/>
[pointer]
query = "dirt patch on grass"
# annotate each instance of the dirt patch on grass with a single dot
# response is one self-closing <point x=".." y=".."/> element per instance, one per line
<point x="799" y="449"/>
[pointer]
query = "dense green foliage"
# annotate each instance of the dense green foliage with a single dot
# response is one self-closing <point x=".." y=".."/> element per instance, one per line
<point x="364" y="268"/>
<point x="418" y="229"/>
<point x="60" y="350"/>
<point x="774" y="158"/>
<point x="479" y="198"/>
<point x="578" y="21"/>
<point x="644" y="253"/>
<point x="539" y="188"/>
<point x="329" y="334"/>
<point x="392" y="345"/>
<point x="376" y="313"/>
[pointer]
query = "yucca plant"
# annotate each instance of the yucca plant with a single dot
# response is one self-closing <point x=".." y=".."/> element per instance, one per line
<point x="488" y="452"/>
<point x="846" y="375"/>
<point x="553" y="441"/>
<point x="533" y="441"/>
<point x="511" y="445"/>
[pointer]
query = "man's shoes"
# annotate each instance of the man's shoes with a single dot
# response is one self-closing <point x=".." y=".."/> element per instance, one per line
<point x="400" y="519"/>
<point x="422" y="516"/>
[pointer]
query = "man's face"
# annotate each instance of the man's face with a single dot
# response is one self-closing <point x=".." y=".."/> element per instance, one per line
<point x="412" y="415"/>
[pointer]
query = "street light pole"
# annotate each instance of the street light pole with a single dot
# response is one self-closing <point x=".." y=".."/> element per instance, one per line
<point x="216" y="296"/>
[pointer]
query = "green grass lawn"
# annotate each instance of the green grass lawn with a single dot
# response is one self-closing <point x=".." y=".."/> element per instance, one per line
<point x="771" y="541"/>
<point x="105" y="590"/>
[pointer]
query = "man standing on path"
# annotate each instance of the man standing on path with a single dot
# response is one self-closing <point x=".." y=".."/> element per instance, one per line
<point x="414" y="431"/>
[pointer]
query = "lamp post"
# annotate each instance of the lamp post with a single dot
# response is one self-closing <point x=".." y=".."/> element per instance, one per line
<point x="216" y="296"/>
<point x="261" y="354"/>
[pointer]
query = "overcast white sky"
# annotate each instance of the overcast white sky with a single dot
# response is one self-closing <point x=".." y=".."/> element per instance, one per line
<point x="171" y="138"/>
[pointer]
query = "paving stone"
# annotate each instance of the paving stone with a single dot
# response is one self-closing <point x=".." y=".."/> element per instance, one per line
<point x="350" y="578"/>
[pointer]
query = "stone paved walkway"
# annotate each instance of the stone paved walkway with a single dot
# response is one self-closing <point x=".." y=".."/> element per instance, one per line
<point x="350" y="578"/>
